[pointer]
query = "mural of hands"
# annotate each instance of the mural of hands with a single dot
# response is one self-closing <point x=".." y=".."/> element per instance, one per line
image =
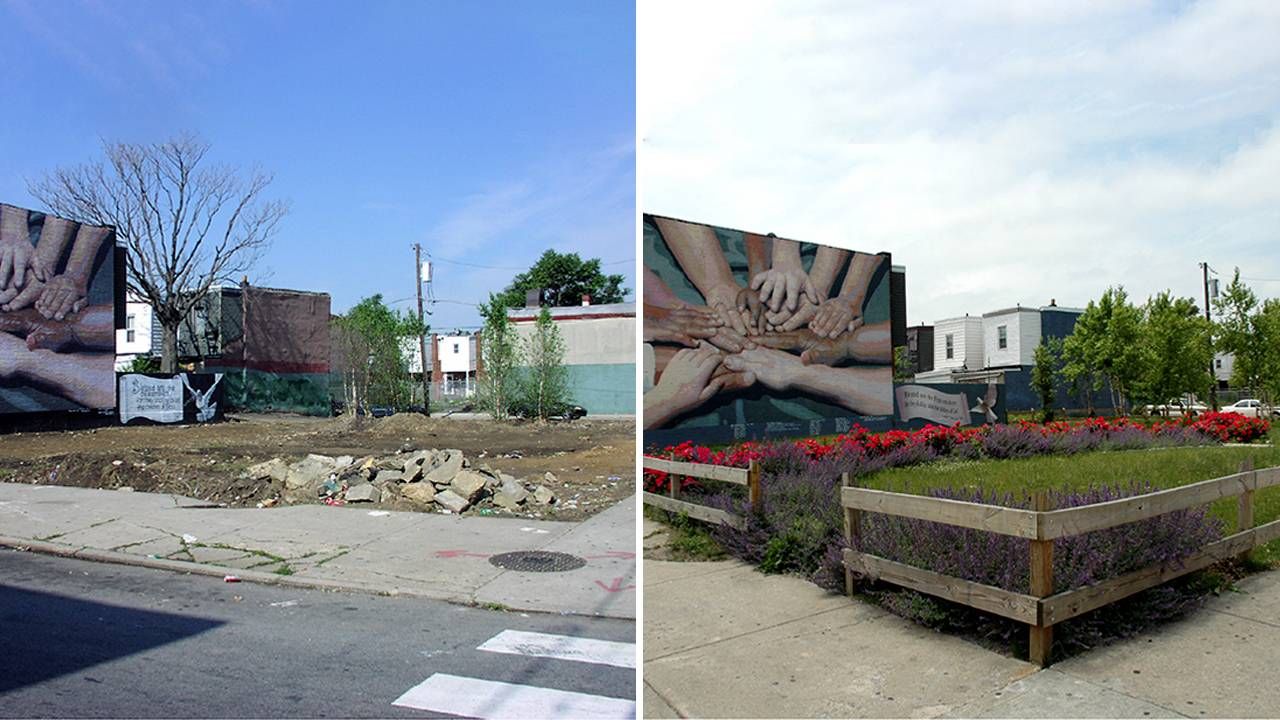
<point x="684" y="384"/>
<point x="18" y="259"/>
<point x="836" y="317"/>
<point x="794" y="343"/>
<point x="784" y="288"/>
<point x="62" y="295"/>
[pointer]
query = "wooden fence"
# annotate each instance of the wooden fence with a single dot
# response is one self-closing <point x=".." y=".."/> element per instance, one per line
<point x="749" y="476"/>
<point x="1042" y="608"/>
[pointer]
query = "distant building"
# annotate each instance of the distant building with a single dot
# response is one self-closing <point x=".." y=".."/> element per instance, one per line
<point x="1010" y="337"/>
<point x="600" y="353"/>
<point x="957" y="346"/>
<point x="135" y="339"/>
<point x="920" y="348"/>
<point x="272" y="345"/>
<point x="1223" y="365"/>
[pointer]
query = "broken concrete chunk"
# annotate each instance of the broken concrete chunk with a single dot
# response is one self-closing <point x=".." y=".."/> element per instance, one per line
<point x="468" y="484"/>
<point x="343" y="461"/>
<point x="363" y="493"/>
<point x="390" y="476"/>
<point x="514" y="489"/>
<point x="422" y="493"/>
<point x="550" y="477"/>
<point x="273" y="469"/>
<point x="450" y="500"/>
<point x="543" y="495"/>
<point x="308" y="472"/>
<point x="448" y="467"/>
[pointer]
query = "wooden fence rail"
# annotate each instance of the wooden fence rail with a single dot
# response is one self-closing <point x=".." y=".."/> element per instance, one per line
<point x="1041" y="609"/>
<point x="748" y="476"/>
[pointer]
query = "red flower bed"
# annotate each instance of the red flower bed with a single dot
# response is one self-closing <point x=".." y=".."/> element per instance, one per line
<point x="1219" y="426"/>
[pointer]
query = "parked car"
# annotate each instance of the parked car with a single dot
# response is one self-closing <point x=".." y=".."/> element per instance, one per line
<point x="1175" y="407"/>
<point x="1251" y="408"/>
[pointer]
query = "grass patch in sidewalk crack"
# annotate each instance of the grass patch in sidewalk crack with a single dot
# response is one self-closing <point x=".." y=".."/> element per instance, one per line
<point x="335" y="556"/>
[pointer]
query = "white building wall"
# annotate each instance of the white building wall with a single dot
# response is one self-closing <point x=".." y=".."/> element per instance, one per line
<point x="592" y="341"/>
<point x="1223" y="365"/>
<point x="456" y="353"/>
<point x="138" y="314"/>
<point x="967" y="332"/>
<point x="1023" y="334"/>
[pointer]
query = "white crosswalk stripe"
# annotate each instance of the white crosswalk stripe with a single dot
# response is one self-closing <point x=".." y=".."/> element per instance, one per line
<point x="489" y="699"/>
<point x="562" y="647"/>
<point x="474" y="697"/>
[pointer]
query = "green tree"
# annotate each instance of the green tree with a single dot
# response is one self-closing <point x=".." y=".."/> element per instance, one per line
<point x="371" y="341"/>
<point x="1269" y="325"/>
<point x="1243" y="332"/>
<point x="902" y="365"/>
<point x="1104" y="349"/>
<point x="546" y="383"/>
<point x="1044" y="375"/>
<point x="1177" y="347"/>
<point x="566" y="278"/>
<point x="500" y="355"/>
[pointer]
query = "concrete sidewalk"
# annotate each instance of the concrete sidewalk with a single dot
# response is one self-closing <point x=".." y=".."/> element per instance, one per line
<point x="723" y="640"/>
<point x="444" y="557"/>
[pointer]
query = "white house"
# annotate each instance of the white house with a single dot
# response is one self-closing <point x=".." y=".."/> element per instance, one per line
<point x="1223" y="365"/>
<point x="455" y="355"/>
<point x="135" y="339"/>
<point x="1010" y="337"/>
<point x="957" y="344"/>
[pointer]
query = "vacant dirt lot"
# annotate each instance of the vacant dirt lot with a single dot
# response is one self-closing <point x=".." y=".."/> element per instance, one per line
<point x="593" y="460"/>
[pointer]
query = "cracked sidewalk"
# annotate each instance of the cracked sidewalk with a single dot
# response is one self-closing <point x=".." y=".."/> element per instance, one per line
<point x="724" y="640"/>
<point x="353" y="547"/>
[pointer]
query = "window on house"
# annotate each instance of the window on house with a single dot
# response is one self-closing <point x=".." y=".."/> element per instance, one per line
<point x="1219" y="361"/>
<point x="951" y="346"/>
<point x="455" y="348"/>
<point x="130" y="334"/>
<point x="1002" y="337"/>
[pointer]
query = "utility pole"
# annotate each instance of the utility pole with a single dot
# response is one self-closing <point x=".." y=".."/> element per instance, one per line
<point x="1213" y="377"/>
<point x="422" y="331"/>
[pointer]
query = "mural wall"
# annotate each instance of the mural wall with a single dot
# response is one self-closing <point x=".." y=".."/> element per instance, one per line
<point x="58" y="300"/>
<point x="748" y="336"/>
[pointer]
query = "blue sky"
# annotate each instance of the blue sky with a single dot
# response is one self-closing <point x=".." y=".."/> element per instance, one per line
<point x="1005" y="152"/>
<point x="488" y="132"/>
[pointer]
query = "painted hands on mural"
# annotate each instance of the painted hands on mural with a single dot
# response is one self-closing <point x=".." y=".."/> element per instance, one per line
<point x="784" y="330"/>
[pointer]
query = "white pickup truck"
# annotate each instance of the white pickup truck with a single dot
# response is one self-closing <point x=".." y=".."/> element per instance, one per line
<point x="1250" y="408"/>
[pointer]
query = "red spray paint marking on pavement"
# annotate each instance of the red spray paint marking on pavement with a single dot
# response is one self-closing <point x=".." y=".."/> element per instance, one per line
<point x="459" y="553"/>
<point x="615" y="586"/>
<point x="611" y="555"/>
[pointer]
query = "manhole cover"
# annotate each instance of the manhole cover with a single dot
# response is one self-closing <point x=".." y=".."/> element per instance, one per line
<point x="537" y="561"/>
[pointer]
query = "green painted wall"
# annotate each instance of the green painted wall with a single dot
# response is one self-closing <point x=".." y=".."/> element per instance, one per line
<point x="259" y="391"/>
<point x="603" y="389"/>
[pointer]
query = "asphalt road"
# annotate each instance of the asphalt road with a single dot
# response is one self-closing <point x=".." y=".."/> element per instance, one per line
<point x="85" y="639"/>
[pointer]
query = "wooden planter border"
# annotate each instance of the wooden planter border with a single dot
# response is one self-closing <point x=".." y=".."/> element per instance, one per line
<point x="748" y="476"/>
<point x="1041" y="609"/>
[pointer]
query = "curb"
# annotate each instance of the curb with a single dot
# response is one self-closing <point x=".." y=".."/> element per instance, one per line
<point x="192" y="568"/>
<point x="254" y="576"/>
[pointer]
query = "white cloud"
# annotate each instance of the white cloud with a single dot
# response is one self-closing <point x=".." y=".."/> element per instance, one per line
<point x="1005" y="152"/>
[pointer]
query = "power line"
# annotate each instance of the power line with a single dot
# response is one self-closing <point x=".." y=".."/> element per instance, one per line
<point x="510" y="267"/>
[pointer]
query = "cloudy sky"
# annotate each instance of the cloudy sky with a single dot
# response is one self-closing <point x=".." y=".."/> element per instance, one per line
<point x="1006" y="153"/>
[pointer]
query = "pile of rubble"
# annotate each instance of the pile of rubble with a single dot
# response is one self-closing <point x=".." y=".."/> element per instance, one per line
<point x="426" y="479"/>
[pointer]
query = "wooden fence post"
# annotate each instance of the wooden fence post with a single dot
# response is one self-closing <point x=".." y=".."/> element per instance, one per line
<point x="754" y="494"/>
<point x="1244" y="507"/>
<point x="674" y="489"/>
<point x="1041" y="585"/>
<point x="852" y="531"/>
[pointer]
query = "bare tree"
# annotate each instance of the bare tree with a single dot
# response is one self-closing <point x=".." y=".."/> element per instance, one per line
<point x="187" y="227"/>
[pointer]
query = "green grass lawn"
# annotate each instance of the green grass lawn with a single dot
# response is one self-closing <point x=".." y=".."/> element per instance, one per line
<point x="1164" y="468"/>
